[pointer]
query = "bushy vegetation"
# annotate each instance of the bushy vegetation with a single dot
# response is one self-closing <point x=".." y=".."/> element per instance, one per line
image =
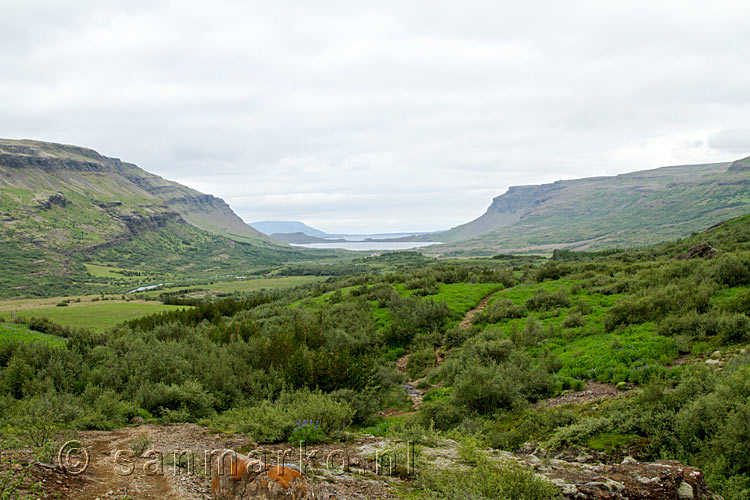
<point x="485" y="480"/>
<point x="308" y="363"/>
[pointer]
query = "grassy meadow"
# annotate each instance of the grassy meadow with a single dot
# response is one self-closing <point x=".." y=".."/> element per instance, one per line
<point x="99" y="316"/>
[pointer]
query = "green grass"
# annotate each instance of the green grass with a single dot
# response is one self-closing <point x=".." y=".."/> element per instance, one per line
<point x="20" y="333"/>
<point x="94" y="315"/>
<point x="610" y="442"/>
<point x="727" y="294"/>
<point x="462" y="297"/>
<point x="631" y="355"/>
<point x="247" y="285"/>
<point x="100" y="271"/>
<point x="588" y="352"/>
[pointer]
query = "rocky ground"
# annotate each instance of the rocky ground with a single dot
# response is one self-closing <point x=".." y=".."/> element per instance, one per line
<point x="365" y="467"/>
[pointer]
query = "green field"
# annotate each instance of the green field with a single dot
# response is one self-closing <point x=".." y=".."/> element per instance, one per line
<point x="15" y="332"/>
<point x="93" y="315"/>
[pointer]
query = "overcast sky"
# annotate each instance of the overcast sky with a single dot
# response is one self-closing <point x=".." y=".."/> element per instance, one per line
<point x="359" y="116"/>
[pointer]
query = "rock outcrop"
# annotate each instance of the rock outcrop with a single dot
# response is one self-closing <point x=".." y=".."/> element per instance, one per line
<point x="742" y="165"/>
<point x="58" y="199"/>
<point x="238" y="477"/>
<point x="629" y="480"/>
<point x="702" y="251"/>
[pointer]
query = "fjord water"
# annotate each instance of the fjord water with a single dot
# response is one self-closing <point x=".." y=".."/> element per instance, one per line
<point x="370" y="245"/>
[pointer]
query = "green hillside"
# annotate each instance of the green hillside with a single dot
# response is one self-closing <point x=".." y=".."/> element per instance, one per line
<point x="638" y="208"/>
<point x="591" y="361"/>
<point x="65" y="206"/>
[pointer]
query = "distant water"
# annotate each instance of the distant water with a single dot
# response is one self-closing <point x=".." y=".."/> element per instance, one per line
<point x="371" y="245"/>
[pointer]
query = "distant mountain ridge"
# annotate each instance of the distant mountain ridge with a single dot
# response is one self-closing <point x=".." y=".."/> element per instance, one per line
<point x="638" y="208"/>
<point x="270" y="227"/>
<point x="302" y="238"/>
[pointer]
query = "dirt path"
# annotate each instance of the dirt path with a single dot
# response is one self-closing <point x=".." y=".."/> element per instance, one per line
<point x="108" y="477"/>
<point x="103" y="479"/>
<point x="416" y="394"/>
<point x="469" y="318"/>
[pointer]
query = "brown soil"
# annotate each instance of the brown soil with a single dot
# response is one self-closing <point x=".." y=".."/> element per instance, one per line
<point x="469" y="318"/>
<point x="108" y="478"/>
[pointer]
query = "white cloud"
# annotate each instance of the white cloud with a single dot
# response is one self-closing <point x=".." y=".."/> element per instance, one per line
<point x="731" y="140"/>
<point x="379" y="116"/>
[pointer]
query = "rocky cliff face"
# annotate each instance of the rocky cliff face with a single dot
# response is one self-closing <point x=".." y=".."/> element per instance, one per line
<point x="638" y="208"/>
<point x="58" y="174"/>
<point x="520" y="198"/>
<point x="740" y="165"/>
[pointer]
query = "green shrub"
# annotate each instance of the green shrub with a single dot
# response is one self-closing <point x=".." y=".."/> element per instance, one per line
<point x="103" y="410"/>
<point x="456" y="336"/>
<point x="576" y="433"/>
<point x="438" y="394"/>
<point x="551" y="271"/>
<point x="265" y="422"/>
<point x="487" y="480"/>
<point x="689" y="324"/>
<point x="543" y="300"/>
<point x="440" y="414"/>
<point x="307" y="431"/>
<point x="731" y="270"/>
<point x="420" y="362"/>
<point x="140" y="444"/>
<point x="656" y="303"/>
<point x="583" y="308"/>
<point x="489" y="351"/>
<point x="734" y="329"/>
<point x="189" y="397"/>
<point x="532" y="334"/>
<point x="739" y="303"/>
<point x="501" y="309"/>
<point x="573" y="319"/>
<point x="365" y="404"/>
<point x="486" y="389"/>
<point x="330" y="414"/>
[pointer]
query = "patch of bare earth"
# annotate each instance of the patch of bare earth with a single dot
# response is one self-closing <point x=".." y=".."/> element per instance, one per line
<point x="469" y="318"/>
<point x="153" y="476"/>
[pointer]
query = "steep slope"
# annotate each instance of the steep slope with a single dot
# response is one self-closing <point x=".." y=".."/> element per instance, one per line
<point x="605" y="212"/>
<point x="104" y="185"/>
<point x="63" y="206"/>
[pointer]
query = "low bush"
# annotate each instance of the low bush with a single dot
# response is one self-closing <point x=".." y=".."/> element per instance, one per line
<point x="543" y="300"/>
<point x="573" y="319"/>
<point x="486" y="389"/>
<point x="532" y="334"/>
<point x="420" y="361"/>
<point x="440" y="414"/>
<point x="274" y="422"/>
<point x="484" y="481"/>
<point x="501" y="309"/>
<point x="731" y="270"/>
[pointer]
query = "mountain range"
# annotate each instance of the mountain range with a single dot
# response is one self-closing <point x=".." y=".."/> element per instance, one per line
<point x="65" y="208"/>
<point x="634" y="209"/>
<point x="270" y="227"/>
<point x="62" y="207"/>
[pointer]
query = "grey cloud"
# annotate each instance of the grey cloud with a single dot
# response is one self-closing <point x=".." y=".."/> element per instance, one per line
<point x="379" y="116"/>
<point x="733" y="140"/>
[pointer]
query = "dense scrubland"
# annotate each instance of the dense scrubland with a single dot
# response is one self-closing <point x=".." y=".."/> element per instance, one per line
<point x="319" y="361"/>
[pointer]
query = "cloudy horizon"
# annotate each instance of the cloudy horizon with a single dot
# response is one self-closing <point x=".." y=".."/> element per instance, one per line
<point x="381" y="116"/>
